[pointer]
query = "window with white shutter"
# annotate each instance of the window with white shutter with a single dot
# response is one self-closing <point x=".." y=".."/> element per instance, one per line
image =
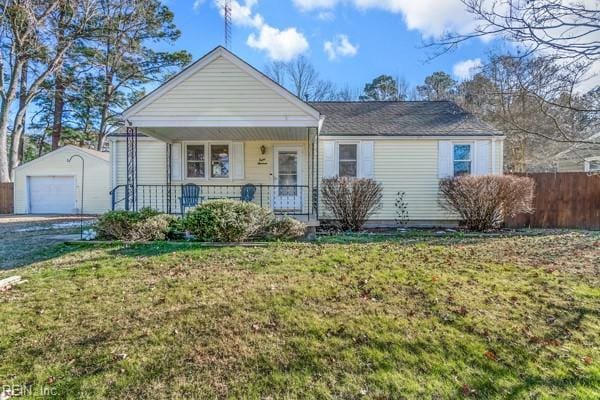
<point x="329" y="167"/>
<point x="348" y="160"/>
<point x="461" y="159"/>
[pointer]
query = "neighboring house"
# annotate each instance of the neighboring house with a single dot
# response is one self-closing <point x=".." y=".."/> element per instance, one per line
<point x="221" y="124"/>
<point x="52" y="185"/>
<point x="580" y="157"/>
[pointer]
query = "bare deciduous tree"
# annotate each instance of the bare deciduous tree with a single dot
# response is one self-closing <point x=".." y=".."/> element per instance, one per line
<point x="302" y="79"/>
<point x="567" y="29"/>
<point x="547" y="88"/>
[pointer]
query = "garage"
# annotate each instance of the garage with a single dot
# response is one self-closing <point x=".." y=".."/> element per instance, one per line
<point x="52" y="184"/>
<point x="52" y="195"/>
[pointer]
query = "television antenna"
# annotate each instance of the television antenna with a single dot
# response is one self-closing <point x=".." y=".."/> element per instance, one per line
<point x="227" y="15"/>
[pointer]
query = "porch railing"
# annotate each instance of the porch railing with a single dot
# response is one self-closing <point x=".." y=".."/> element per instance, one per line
<point x="294" y="200"/>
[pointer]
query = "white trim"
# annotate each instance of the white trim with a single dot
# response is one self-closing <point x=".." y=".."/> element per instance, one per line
<point x="586" y="164"/>
<point x="493" y="170"/>
<point x="140" y="139"/>
<point x="113" y="156"/>
<point x="299" y="179"/>
<point x="61" y="150"/>
<point x="472" y="155"/>
<point x="207" y="169"/>
<point x="222" y="122"/>
<point x="203" y="62"/>
<point x="405" y="137"/>
<point x="336" y="152"/>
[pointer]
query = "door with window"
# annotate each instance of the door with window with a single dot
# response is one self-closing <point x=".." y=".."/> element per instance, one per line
<point x="287" y="175"/>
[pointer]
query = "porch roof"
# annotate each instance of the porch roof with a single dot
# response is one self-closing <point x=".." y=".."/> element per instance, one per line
<point x="173" y="134"/>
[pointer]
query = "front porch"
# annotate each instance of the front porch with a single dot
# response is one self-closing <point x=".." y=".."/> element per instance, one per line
<point x="278" y="172"/>
<point x="219" y="129"/>
<point x="297" y="201"/>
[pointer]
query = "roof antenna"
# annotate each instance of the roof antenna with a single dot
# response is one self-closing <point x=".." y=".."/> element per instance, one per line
<point x="227" y="14"/>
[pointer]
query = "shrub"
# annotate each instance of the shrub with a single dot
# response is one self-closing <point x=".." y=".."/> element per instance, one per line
<point x="200" y="222"/>
<point x="145" y="224"/>
<point x="352" y="201"/>
<point x="483" y="202"/>
<point x="228" y="221"/>
<point x="285" y="229"/>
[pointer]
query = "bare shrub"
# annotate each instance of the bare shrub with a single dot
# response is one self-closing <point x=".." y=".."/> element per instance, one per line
<point x="286" y="228"/>
<point x="483" y="202"/>
<point x="352" y="201"/>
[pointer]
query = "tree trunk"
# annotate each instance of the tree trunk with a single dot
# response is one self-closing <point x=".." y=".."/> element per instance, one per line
<point x="59" y="90"/>
<point x="59" y="106"/>
<point x="18" y="140"/>
<point x="5" y="107"/>
<point x="105" y="110"/>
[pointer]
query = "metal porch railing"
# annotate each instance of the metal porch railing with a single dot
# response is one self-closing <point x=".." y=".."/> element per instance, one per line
<point x="293" y="200"/>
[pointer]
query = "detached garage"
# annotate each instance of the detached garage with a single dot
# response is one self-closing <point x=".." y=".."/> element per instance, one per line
<point x="51" y="185"/>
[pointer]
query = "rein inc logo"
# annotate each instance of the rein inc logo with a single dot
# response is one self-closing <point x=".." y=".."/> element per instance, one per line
<point x="25" y="390"/>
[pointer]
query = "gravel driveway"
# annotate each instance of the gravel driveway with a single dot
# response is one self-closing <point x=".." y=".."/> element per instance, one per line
<point x="27" y="238"/>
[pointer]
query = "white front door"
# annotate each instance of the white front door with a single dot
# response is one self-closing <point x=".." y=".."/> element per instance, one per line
<point x="287" y="175"/>
<point x="52" y="194"/>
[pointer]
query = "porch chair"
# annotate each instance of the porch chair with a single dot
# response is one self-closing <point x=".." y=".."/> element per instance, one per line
<point x="247" y="192"/>
<point x="190" y="197"/>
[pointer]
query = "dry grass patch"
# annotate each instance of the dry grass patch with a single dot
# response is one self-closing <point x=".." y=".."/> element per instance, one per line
<point x="412" y="316"/>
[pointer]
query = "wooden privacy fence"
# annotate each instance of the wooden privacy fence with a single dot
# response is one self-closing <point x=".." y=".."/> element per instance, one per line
<point x="563" y="200"/>
<point x="6" y="198"/>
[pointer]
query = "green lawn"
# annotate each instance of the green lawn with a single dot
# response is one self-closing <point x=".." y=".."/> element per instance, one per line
<point x="415" y="316"/>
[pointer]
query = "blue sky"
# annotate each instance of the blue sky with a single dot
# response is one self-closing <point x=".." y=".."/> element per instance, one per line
<point x="366" y="37"/>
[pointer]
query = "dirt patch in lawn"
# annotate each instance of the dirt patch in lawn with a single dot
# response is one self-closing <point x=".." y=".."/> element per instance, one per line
<point x="26" y="238"/>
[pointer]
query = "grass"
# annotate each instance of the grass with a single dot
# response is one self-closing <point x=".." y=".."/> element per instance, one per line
<point x="365" y="316"/>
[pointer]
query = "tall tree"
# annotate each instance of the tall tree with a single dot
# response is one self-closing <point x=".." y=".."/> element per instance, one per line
<point x="122" y="59"/>
<point x="559" y="38"/>
<point x="382" y="88"/>
<point x="26" y="28"/>
<point x="437" y="86"/>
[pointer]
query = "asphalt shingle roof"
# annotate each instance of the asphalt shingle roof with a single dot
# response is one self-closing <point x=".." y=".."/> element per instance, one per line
<point x="400" y="118"/>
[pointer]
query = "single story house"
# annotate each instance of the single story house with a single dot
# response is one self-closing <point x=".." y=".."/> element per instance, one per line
<point x="231" y="132"/>
<point x="580" y="157"/>
<point x="53" y="183"/>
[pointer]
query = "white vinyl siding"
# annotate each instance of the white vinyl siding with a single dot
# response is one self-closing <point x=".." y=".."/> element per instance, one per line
<point x="96" y="186"/>
<point x="411" y="166"/>
<point x="152" y="162"/>
<point x="221" y="89"/>
<point x="257" y="167"/>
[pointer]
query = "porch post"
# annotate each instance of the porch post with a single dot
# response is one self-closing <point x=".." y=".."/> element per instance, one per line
<point x="316" y="199"/>
<point x="309" y="177"/>
<point x="131" y="187"/>
<point x="169" y="176"/>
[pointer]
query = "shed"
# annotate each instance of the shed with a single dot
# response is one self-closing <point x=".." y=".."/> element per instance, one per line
<point x="52" y="185"/>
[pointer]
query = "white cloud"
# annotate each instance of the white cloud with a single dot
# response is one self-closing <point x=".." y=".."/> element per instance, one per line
<point x="340" y="46"/>
<point x="308" y="5"/>
<point x="467" y="68"/>
<point x="279" y="44"/>
<point x="197" y="4"/>
<point x="431" y="17"/>
<point x="326" y="16"/>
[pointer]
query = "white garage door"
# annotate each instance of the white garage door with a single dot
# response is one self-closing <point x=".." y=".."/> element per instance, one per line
<point x="52" y="194"/>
